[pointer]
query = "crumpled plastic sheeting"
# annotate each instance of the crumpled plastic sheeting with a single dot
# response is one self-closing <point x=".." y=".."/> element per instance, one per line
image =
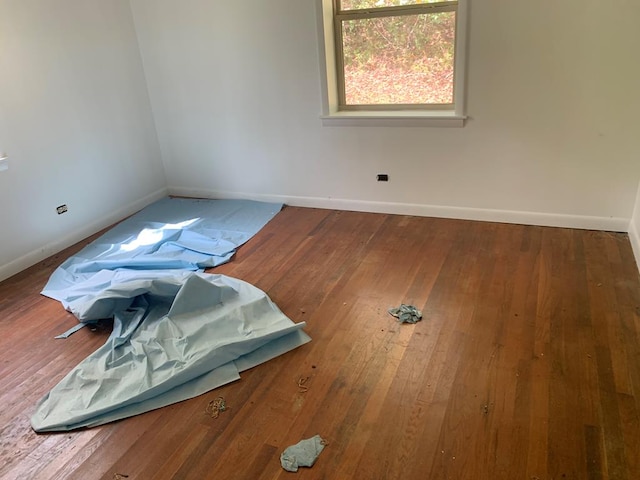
<point x="169" y="235"/>
<point x="302" y="454"/>
<point x="174" y="338"/>
<point x="406" y="313"/>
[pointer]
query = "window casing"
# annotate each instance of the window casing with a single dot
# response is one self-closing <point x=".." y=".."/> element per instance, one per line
<point x="342" y="107"/>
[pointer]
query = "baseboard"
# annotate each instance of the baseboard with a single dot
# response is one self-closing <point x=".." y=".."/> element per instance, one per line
<point x="52" y="248"/>
<point x="634" y="238"/>
<point x="610" y="224"/>
<point x="614" y="224"/>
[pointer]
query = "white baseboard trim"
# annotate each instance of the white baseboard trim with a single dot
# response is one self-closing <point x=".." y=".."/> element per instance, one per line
<point x="634" y="238"/>
<point x="610" y="224"/>
<point x="614" y="224"/>
<point x="52" y="248"/>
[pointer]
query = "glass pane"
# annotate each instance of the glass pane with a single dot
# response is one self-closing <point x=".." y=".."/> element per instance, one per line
<point x="361" y="4"/>
<point x="399" y="60"/>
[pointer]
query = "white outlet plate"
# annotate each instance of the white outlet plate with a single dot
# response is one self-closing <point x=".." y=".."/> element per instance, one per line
<point x="4" y="164"/>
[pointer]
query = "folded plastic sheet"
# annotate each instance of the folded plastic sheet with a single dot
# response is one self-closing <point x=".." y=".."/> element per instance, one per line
<point x="170" y="235"/>
<point x="174" y="337"/>
<point x="178" y="332"/>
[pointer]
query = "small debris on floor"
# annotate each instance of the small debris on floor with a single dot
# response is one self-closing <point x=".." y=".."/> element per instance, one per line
<point x="406" y="313"/>
<point x="119" y="476"/>
<point x="302" y="454"/>
<point x="301" y="384"/>
<point x="215" y="407"/>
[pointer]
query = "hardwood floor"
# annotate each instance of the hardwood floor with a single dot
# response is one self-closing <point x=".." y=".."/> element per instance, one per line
<point x="525" y="366"/>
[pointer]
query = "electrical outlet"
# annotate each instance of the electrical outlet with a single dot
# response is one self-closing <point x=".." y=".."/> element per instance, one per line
<point x="383" y="177"/>
<point x="61" y="209"/>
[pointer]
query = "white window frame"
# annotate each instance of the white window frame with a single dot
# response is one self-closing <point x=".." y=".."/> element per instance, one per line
<point x="332" y="115"/>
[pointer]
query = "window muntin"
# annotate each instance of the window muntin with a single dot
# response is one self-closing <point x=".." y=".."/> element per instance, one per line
<point x="344" y="5"/>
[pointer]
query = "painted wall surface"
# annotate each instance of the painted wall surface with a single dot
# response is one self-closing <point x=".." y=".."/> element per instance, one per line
<point x="236" y="99"/>
<point x="634" y="229"/>
<point x="552" y="100"/>
<point x="76" y="122"/>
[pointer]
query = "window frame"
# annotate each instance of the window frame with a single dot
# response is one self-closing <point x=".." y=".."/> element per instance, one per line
<point x="334" y="112"/>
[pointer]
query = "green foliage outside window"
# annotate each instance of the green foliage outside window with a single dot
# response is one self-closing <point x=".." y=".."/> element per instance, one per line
<point x="402" y="59"/>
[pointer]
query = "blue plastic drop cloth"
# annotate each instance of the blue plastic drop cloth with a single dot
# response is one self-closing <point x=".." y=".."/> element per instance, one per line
<point x="178" y="332"/>
<point x="174" y="337"/>
<point x="169" y="235"/>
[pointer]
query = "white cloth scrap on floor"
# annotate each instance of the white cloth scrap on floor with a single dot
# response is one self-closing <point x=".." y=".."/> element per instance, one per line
<point x="302" y="454"/>
<point x="180" y="336"/>
<point x="406" y="313"/>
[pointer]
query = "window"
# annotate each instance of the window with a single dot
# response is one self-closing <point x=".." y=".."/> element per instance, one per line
<point x="393" y="59"/>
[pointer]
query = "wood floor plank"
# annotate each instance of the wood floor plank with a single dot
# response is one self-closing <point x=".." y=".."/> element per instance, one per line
<point x="525" y="365"/>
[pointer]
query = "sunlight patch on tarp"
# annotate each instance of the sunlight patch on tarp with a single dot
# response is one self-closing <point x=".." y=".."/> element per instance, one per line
<point x="151" y="236"/>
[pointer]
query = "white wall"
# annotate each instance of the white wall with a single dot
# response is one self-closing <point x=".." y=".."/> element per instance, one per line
<point x="76" y="122"/>
<point x="235" y="90"/>
<point x="552" y="99"/>
<point x="634" y="229"/>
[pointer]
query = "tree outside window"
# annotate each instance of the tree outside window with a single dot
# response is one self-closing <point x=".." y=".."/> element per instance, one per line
<point x="395" y="53"/>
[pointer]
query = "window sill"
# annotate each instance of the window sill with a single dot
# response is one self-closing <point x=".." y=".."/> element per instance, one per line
<point x="406" y="118"/>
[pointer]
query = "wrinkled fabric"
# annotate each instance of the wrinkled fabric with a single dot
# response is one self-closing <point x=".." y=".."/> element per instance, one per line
<point x="406" y="313"/>
<point x="302" y="454"/>
<point x="170" y="235"/>
<point x="174" y="337"/>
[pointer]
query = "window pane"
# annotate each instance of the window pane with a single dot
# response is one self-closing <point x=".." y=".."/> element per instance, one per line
<point x="399" y="60"/>
<point x="361" y="4"/>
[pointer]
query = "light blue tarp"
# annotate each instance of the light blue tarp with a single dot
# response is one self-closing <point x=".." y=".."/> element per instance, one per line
<point x="178" y="332"/>
<point x="179" y="336"/>
<point x="168" y="235"/>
